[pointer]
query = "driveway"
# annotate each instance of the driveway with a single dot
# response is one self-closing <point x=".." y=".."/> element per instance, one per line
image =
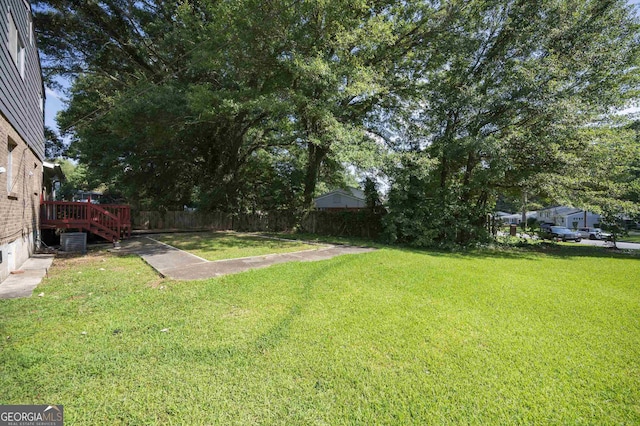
<point x="599" y="243"/>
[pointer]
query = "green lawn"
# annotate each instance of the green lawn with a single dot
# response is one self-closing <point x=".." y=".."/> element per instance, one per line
<point x="230" y="245"/>
<point x="327" y="239"/>
<point x="389" y="337"/>
<point x="631" y="238"/>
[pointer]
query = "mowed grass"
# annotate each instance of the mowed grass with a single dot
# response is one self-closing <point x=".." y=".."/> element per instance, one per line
<point x="631" y="238"/>
<point x="389" y="337"/>
<point x="230" y="245"/>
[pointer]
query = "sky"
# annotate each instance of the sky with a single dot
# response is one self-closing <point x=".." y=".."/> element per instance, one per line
<point x="55" y="100"/>
<point x="54" y="104"/>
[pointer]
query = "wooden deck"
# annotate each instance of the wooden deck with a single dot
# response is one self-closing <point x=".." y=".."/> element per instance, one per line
<point x="109" y="221"/>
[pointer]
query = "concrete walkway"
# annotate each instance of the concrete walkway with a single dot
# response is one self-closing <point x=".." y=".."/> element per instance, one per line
<point x="22" y="284"/>
<point x="180" y="265"/>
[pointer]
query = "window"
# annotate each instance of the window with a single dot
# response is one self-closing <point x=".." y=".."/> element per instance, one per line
<point x="11" y="146"/>
<point x="16" y="46"/>
<point x="30" y="29"/>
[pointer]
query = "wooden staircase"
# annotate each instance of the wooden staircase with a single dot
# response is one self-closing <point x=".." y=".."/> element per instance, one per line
<point x="109" y="221"/>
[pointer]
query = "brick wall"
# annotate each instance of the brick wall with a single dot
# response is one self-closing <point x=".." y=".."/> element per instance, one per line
<point x="19" y="203"/>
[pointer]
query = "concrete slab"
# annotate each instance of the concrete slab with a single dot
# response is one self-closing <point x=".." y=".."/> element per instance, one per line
<point x="22" y="285"/>
<point x="177" y="264"/>
<point x="160" y="256"/>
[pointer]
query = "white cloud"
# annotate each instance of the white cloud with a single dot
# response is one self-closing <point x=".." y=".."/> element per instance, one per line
<point x="53" y="94"/>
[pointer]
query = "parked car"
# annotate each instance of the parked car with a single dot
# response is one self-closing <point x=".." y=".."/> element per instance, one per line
<point x="546" y="226"/>
<point x="593" y="233"/>
<point x="605" y="235"/>
<point x="559" y="233"/>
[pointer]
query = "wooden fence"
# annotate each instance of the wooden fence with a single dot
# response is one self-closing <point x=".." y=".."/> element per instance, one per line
<point x="342" y="223"/>
<point x="362" y="223"/>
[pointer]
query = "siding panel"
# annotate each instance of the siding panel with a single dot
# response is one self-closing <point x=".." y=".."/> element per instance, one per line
<point x="20" y="98"/>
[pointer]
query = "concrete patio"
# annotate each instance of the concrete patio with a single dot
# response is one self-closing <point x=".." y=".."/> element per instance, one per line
<point x="181" y="265"/>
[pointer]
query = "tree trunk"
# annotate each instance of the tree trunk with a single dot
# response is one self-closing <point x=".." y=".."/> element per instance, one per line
<point x="316" y="156"/>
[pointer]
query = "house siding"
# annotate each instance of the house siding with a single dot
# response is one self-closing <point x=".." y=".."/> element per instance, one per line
<point x="22" y="128"/>
<point x="20" y="98"/>
<point x="578" y="219"/>
<point x="339" y="200"/>
<point x="565" y="216"/>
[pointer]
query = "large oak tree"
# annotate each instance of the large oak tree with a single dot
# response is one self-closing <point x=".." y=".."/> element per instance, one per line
<point x="217" y="100"/>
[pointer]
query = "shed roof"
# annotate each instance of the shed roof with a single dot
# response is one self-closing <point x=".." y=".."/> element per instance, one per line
<point x="562" y="210"/>
<point x="354" y="193"/>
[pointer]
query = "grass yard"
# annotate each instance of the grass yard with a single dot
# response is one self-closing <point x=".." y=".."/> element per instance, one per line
<point x="230" y="245"/>
<point x="328" y="239"/>
<point x="631" y="238"/>
<point x="389" y="337"/>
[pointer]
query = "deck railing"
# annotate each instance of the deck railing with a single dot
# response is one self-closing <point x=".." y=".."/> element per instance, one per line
<point x="110" y="221"/>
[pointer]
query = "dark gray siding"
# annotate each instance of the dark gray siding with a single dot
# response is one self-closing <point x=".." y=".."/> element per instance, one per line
<point x="20" y="98"/>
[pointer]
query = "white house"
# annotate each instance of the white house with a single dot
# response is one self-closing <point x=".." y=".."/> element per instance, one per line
<point x="341" y="199"/>
<point x="53" y="177"/>
<point x="569" y="216"/>
<point x="515" y="218"/>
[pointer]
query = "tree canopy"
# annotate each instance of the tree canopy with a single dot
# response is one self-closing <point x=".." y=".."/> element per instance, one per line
<point x="508" y="108"/>
<point x="249" y="105"/>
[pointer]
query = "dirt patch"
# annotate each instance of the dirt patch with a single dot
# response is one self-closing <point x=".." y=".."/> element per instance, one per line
<point x="77" y="297"/>
<point x="236" y="312"/>
<point x="71" y="260"/>
<point x="157" y="283"/>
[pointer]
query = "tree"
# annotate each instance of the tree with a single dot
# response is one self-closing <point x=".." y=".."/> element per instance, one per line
<point x="224" y="82"/>
<point x="331" y="62"/>
<point x="115" y="50"/>
<point x="506" y="90"/>
<point x="54" y="146"/>
<point x="75" y="179"/>
<point x="371" y="195"/>
<point x="610" y="187"/>
<point x="219" y="103"/>
<point x="163" y="108"/>
<point x="117" y="39"/>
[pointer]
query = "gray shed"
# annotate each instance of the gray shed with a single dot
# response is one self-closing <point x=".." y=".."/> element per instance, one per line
<point x="341" y="199"/>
